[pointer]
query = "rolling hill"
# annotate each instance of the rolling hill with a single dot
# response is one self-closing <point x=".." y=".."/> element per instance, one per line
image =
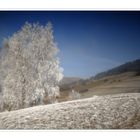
<point x="111" y="101"/>
<point x="122" y="79"/>
<point x="133" y="66"/>
<point x="69" y="80"/>
<point x="120" y="111"/>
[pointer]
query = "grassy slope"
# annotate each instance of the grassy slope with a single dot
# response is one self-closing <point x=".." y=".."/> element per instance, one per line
<point x="100" y="112"/>
<point x="122" y="83"/>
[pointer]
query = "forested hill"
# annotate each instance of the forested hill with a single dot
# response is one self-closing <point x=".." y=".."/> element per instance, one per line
<point x="133" y="66"/>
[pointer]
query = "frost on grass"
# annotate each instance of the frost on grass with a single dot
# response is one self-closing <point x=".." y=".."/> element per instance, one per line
<point x="29" y="68"/>
<point x="120" y="111"/>
<point x="73" y="95"/>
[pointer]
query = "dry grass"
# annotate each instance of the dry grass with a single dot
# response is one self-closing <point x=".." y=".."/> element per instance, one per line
<point x="123" y="83"/>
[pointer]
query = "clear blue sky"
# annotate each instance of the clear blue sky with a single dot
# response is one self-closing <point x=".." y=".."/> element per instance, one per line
<point x="89" y="42"/>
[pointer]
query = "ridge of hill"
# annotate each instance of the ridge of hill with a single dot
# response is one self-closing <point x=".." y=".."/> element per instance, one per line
<point x="122" y="79"/>
<point x="133" y="66"/>
<point x="69" y="80"/>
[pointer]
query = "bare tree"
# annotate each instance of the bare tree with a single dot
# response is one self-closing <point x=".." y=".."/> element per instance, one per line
<point x="31" y="67"/>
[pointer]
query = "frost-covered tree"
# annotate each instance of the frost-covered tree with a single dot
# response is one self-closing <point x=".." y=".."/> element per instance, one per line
<point x="73" y="95"/>
<point x="30" y="67"/>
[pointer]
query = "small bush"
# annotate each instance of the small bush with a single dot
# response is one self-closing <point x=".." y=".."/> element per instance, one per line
<point x="73" y="95"/>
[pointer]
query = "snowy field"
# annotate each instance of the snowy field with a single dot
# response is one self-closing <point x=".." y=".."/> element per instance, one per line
<point x="120" y="111"/>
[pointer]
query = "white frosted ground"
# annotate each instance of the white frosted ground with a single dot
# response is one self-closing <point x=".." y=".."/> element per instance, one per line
<point x="120" y="111"/>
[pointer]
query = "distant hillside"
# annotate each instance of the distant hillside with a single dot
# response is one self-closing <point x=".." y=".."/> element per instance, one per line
<point x="69" y="80"/>
<point x="133" y="66"/>
<point x="122" y="79"/>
